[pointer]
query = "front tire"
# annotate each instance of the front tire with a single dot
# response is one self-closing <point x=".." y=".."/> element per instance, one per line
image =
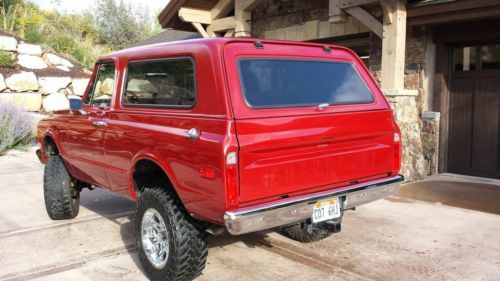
<point x="172" y="245"/>
<point x="62" y="199"/>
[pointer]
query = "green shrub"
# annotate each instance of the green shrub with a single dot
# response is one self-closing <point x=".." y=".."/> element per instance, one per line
<point x="17" y="127"/>
<point x="6" y="59"/>
<point x="61" y="43"/>
<point x="32" y="35"/>
<point x="79" y="54"/>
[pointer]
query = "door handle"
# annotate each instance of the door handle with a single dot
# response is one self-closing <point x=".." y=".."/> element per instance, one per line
<point x="99" y="123"/>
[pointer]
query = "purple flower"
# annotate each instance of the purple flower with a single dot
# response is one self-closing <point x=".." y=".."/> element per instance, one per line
<point x="17" y="127"/>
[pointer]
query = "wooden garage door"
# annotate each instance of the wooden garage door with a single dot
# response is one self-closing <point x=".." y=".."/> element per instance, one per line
<point x="474" y="131"/>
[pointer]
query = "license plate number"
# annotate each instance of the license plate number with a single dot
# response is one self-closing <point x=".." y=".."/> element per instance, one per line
<point x="326" y="210"/>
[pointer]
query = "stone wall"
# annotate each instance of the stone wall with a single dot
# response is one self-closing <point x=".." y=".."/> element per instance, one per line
<point x="430" y="140"/>
<point x="281" y="18"/>
<point x="40" y="80"/>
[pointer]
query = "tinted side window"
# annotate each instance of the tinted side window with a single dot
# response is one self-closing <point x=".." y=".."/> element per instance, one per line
<point x="161" y="82"/>
<point x="101" y="90"/>
<point x="268" y="83"/>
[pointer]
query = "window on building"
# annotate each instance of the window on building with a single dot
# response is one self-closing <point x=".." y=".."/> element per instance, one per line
<point x="160" y="82"/>
<point x="490" y="56"/>
<point x="465" y="58"/>
<point x="479" y="57"/>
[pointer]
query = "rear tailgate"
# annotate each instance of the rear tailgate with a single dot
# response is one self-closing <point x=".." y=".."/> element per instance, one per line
<point x="296" y="146"/>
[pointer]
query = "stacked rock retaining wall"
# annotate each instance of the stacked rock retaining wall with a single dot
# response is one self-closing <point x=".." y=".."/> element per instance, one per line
<point x="39" y="79"/>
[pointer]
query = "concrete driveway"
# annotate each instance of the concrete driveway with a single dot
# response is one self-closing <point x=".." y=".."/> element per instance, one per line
<point x="399" y="238"/>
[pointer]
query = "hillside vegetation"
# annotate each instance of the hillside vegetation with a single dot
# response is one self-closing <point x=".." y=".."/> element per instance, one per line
<point x="108" y="25"/>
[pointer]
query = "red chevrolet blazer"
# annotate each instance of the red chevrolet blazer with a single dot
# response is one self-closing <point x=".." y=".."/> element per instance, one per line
<point x="214" y="135"/>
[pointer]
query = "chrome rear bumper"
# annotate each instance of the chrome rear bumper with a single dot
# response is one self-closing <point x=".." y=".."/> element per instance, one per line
<point x="296" y="209"/>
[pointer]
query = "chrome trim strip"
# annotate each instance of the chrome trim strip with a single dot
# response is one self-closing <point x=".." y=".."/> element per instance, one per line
<point x="291" y="210"/>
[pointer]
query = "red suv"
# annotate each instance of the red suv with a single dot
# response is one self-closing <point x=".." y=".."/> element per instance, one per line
<point x="223" y="134"/>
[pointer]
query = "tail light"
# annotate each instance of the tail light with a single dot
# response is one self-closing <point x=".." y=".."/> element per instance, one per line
<point x="397" y="137"/>
<point x="398" y="151"/>
<point x="232" y="180"/>
<point x="231" y="168"/>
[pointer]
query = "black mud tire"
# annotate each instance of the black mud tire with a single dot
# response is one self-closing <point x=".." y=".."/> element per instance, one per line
<point x="188" y="246"/>
<point x="62" y="200"/>
<point x="305" y="234"/>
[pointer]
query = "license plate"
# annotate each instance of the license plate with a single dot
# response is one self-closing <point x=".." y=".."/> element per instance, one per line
<point x="326" y="210"/>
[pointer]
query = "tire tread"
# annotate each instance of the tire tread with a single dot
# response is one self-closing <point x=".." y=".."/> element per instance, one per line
<point x="57" y="190"/>
<point x="190" y="241"/>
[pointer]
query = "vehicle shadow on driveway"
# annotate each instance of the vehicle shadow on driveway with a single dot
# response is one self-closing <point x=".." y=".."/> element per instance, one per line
<point x="121" y="211"/>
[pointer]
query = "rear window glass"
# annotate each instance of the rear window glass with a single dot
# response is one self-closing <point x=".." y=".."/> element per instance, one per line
<point x="160" y="82"/>
<point x="269" y="83"/>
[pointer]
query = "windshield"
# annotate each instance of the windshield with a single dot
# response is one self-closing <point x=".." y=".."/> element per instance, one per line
<point x="270" y="83"/>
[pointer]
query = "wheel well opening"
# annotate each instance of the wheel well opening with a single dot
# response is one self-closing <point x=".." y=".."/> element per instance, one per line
<point x="50" y="147"/>
<point x="148" y="174"/>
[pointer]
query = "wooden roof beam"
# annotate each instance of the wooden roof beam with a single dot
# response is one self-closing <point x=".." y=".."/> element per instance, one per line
<point x="250" y="5"/>
<point x="344" y="4"/>
<point x="367" y="19"/>
<point x="195" y="15"/>
<point x="223" y="24"/>
<point x="222" y="8"/>
<point x="200" y="29"/>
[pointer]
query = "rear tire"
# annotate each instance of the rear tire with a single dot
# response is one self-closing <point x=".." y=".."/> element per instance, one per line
<point x="161" y="218"/>
<point x="307" y="233"/>
<point x="62" y="199"/>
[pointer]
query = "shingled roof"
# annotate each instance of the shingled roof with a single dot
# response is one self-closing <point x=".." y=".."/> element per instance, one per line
<point x="168" y="35"/>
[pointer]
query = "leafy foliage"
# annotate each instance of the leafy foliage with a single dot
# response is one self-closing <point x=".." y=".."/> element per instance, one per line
<point x="120" y="24"/>
<point x="109" y="25"/>
<point x="17" y="127"/>
<point x="6" y="59"/>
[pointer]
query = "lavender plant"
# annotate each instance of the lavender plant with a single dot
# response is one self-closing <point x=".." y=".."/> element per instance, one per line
<point x="17" y="127"/>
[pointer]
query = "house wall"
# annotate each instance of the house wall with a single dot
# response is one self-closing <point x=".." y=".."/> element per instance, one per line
<point x="308" y="20"/>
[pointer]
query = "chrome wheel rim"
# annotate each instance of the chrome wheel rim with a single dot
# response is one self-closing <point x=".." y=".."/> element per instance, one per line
<point x="154" y="238"/>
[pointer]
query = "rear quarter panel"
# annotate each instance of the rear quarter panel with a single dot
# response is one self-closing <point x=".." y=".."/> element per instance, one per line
<point x="160" y="134"/>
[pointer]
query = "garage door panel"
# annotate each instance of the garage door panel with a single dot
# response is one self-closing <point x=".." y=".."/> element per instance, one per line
<point x="461" y="114"/>
<point x="485" y="145"/>
<point x="474" y="112"/>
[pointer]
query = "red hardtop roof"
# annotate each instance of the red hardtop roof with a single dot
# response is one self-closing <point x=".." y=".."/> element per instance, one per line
<point x="213" y="42"/>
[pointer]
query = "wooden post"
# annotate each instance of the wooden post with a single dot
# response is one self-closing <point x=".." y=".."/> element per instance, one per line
<point x="242" y="18"/>
<point x="393" y="48"/>
<point x="335" y="13"/>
